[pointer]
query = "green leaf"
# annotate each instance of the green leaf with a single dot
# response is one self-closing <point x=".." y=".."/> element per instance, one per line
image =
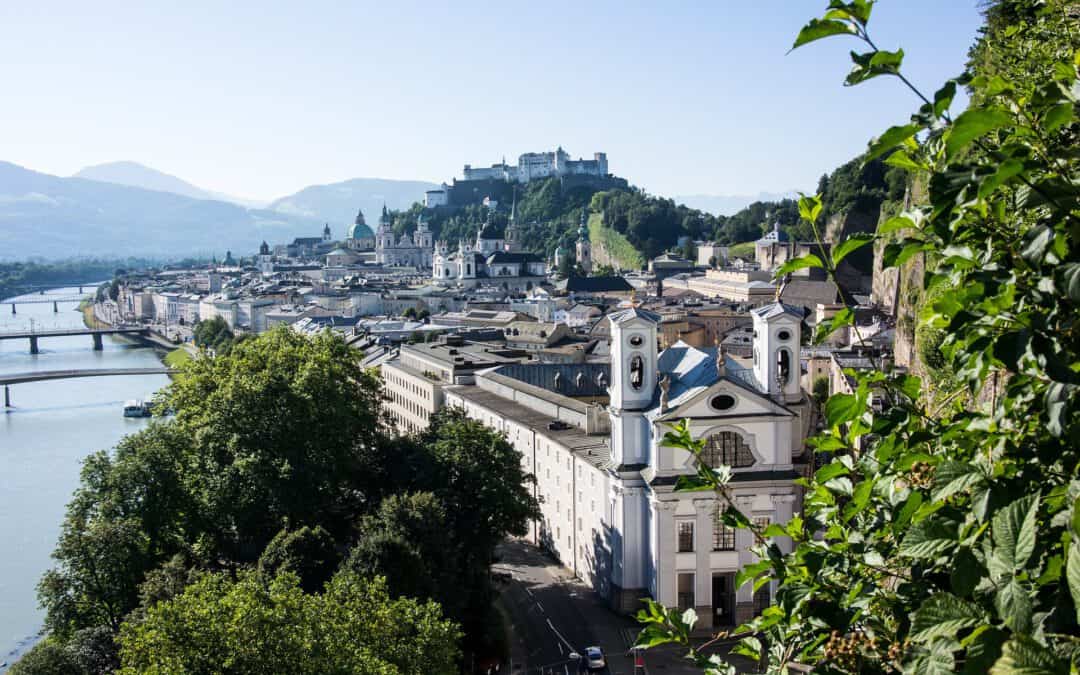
<point x="892" y="137"/>
<point x="953" y="477"/>
<point x="1014" y="605"/>
<point x="1014" y="532"/>
<point x="974" y="124"/>
<point x="750" y="571"/>
<point x="844" y="317"/>
<point x="1006" y="170"/>
<point x="1069" y="280"/>
<point x="830" y="471"/>
<point x="905" y="161"/>
<point x="944" y="615"/>
<point x="810" y="207"/>
<point x="929" y="538"/>
<point x="852" y="243"/>
<point x="803" y="261"/>
<point x="966" y="572"/>
<point x="938" y="660"/>
<point x="895" y="224"/>
<point x="818" y="29"/>
<point x="1072" y="574"/>
<point x="1058" y="116"/>
<point x="943" y="98"/>
<point x="1022" y="655"/>
<point x="898" y="253"/>
<point x="842" y="408"/>
<point x="871" y="64"/>
<point x="983" y="649"/>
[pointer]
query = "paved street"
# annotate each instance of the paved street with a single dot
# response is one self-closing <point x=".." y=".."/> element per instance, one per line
<point x="552" y="614"/>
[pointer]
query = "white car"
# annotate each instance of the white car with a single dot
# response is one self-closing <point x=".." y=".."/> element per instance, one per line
<point x="594" y="658"/>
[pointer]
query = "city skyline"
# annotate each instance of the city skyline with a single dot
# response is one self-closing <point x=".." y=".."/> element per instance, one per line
<point x="261" y="105"/>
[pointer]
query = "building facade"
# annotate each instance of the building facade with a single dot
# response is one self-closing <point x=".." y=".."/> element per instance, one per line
<point x="404" y="251"/>
<point x="534" y="165"/>
<point x="592" y="435"/>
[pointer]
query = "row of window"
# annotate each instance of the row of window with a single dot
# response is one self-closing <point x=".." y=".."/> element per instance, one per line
<point x="723" y="536"/>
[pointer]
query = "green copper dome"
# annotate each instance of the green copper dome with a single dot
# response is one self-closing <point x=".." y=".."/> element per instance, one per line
<point x="360" y="231"/>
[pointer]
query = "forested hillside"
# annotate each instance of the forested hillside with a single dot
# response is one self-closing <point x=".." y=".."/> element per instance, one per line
<point x="550" y="215"/>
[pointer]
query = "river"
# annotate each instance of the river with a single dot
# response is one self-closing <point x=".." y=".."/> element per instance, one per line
<point x="43" y="440"/>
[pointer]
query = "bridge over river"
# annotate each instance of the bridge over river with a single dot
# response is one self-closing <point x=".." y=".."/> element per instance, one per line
<point x="95" y="333"/>
<point x="42" y="375"/>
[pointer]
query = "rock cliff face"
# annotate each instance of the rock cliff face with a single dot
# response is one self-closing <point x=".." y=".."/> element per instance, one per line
<point x="856" y="270"/>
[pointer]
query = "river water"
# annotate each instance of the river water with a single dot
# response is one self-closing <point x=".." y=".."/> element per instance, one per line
<point x="43" y="440"/>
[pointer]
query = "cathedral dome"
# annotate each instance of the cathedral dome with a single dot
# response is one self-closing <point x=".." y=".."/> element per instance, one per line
<point x="360" y="231"/>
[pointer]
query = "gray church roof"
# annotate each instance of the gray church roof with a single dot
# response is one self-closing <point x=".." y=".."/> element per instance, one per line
<point x="776" y="309"/>
<point x="633" y="313"/>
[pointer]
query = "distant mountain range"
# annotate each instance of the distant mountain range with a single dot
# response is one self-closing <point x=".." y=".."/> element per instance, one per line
<point x="726" y="205"/>
<point x="124" y="208"/>
<point x="141" y="176"/>
<point x="338" y="202"/>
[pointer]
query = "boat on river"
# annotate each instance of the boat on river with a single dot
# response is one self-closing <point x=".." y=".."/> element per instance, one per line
<point x="136" y="408"/>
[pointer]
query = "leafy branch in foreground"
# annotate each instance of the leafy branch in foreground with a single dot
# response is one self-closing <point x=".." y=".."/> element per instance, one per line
<point x="947" y="539"/>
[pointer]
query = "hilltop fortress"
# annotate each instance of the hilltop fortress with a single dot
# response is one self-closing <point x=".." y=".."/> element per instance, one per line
<point x="493" y="181"/>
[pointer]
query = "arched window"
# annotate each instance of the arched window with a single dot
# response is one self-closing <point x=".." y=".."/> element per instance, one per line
<point x="783" y="363"/>
<point x="637" y="372"/>
<point x="727" y="448"/>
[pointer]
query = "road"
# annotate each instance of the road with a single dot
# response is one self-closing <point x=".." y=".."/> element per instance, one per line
<point x="547" y="621"/>
<point x="553" y="613"/>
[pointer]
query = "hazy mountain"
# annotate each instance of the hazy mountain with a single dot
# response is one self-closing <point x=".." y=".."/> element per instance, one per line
<point x="141" y="176"/>
<point x="337" y="203"/>
<point x="726" y="205"/>
<point x="57" y="217"/>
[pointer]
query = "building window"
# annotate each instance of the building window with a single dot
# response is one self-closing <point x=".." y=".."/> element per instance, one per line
<point x="686" y="536"/>
<point x="761" y="600"/>
<point x="723" y="536"/>
<point x="686" y="591"/>
<point x="637" y="372"/>
<point x="761" y="522"/>
<point x="727" y="448"/>
<point x="783" y="362"/>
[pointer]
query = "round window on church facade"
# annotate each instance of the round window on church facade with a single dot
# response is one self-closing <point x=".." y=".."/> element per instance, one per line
<point x="722" y="402"/>
<point x="783" y="335"/>
<point x="637" y="340"/>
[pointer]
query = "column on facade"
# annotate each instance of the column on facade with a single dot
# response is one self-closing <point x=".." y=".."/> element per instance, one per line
<point x="666" y="581"/>
<point x="703" y="535"/>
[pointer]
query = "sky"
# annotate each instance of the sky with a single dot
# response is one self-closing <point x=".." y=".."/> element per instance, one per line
<point x="259" y="99"/>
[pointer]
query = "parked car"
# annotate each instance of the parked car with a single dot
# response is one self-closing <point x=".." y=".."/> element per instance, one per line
<point x="594" y="658"/>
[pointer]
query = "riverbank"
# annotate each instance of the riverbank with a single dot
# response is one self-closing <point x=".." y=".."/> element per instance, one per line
<point x="90" y="318"/>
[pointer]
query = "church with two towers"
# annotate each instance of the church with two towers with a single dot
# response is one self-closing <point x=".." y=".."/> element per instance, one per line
<point x="592" y="435"/>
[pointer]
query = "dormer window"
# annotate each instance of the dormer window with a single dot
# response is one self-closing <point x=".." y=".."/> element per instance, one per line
<point x="637" y="372"/>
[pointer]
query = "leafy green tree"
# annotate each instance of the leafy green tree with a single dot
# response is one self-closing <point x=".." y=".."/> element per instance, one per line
<point x="946" y="538"/>
<point x="48" y="657"/>
<point x="248" y="626"/>
<point x="285" y="428"/>
<point x="309" y="552"/>
<point x="409" y="542"/>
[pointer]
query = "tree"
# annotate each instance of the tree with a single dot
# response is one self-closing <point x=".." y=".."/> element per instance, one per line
<point x="944" y="533"/>
<point x="409" y="541"/>
<point x="286" y="426"/>
<point x="309" y="552"/>
<point x="248" y="626"/>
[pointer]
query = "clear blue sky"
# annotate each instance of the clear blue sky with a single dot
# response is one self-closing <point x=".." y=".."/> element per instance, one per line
<point x="262" y="98"/>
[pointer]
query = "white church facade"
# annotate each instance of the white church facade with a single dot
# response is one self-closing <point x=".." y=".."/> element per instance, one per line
<point x="404" y="251"/>
<point x="490" y="260"/>
<point x="592" y="435"/>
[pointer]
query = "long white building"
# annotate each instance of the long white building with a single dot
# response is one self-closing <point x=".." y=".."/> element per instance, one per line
<point x="591" y="434"/>
<point x="535" y="165"/>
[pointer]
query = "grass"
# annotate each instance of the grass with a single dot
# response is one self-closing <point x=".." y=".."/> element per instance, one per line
<point x="742" y="250"/>
<point x="618" y="247"/>
<point x="87" y="309"/>
<point x="177" y="357"/>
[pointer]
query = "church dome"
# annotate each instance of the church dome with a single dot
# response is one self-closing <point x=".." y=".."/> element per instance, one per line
<point x="360" y="231"/>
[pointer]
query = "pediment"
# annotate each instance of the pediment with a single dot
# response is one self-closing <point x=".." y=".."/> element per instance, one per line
<point x="727" y="399"/>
